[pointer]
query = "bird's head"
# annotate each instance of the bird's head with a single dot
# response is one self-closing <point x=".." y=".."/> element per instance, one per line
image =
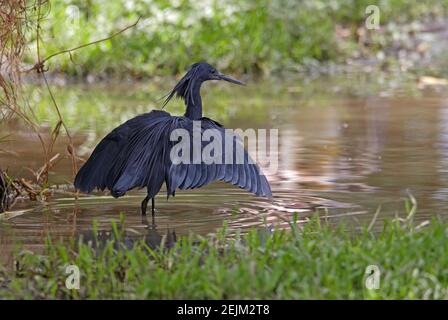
<point x="195" y="76"/>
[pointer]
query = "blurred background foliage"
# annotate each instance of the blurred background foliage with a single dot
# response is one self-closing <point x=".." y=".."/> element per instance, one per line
<point x="256" y="37"/>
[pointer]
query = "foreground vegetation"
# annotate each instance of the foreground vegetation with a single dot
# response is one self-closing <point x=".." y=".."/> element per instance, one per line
<point x="315" y="261"/>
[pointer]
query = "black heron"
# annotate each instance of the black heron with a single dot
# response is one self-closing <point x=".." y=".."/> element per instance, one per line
<point x="137" y="153"/>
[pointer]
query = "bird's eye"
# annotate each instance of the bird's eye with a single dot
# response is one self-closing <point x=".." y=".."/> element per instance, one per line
<point x="213" y="71"/>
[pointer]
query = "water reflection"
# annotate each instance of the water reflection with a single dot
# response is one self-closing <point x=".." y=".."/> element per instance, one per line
<point x="122" y="237"/>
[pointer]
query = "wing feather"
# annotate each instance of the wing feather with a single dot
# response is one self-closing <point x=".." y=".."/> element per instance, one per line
<point x="137" y="154"/>
<point x="247" y="175"/>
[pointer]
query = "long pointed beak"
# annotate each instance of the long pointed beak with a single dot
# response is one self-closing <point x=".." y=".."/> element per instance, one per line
<point x="230" y="79"/>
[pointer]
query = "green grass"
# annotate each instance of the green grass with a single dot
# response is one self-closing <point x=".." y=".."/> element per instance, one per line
<point x="315" y="261"/>
<point x="260" y="36"/>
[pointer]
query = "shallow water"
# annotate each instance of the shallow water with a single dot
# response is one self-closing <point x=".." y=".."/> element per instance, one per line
<point x="346" y="146"/>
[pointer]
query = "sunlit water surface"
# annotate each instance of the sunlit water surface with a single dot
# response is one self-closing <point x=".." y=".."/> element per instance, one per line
<point x="347" y="145"/>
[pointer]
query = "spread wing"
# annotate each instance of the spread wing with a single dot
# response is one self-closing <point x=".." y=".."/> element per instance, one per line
<point x="137" y="154"/>
<point x="242" y="171"/>
<point x="132" y="155"/>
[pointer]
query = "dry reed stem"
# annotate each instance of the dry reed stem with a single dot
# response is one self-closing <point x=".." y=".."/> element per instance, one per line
<point x="17" y="18"/>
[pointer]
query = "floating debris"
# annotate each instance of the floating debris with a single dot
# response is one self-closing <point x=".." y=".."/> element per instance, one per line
<point x="12" y="189"/>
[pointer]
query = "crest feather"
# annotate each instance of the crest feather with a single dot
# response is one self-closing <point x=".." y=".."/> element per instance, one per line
<point x="184" y="88"/>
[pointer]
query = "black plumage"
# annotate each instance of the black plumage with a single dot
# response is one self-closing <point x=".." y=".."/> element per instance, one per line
<point x="137" y="153"/>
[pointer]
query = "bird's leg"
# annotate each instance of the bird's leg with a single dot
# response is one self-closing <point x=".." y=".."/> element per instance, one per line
<point x="144" y="205"/>
<point x="153" y="207"/>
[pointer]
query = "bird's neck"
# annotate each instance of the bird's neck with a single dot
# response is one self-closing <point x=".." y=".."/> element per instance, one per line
<point x="194" y="103"/>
